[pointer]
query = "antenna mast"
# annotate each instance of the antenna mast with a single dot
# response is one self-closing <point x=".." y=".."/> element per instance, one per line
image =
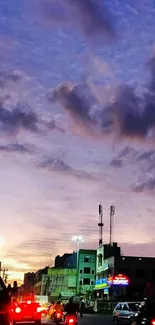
<point x="112" y="212"/>
<point x="100" y="225"/>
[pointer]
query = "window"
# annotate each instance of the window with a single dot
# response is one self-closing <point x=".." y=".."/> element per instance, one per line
<point x="134" y="306"/>
<point x="118" y="307"/>
<point x="80" y="271"/>
<point x="92" y="282"/>
<point x="87" y="270"/>
<point x="80" y="282"/>
<point x="86" y="281"/>
<point x="100" y="260"/>
<point x="93" y="271"/>
<point x="125" y="307"/>
<point x="87" y="259"/>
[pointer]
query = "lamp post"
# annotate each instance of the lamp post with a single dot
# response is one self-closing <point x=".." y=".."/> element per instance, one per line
<point x="79" y="240"/>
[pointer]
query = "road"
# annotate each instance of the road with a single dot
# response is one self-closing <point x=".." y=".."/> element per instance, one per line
<point x="90" y="320"/>
<point x="86" y="320"/>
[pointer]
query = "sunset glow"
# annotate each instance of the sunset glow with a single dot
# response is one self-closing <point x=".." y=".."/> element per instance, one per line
<point x="76" y="128"/>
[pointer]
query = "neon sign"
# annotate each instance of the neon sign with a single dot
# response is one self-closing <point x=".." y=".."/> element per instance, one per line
<point x="120" y="279"/>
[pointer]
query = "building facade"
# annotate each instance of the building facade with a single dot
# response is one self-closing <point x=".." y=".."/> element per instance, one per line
<point x="62" y="282"/>
<point x="40" y="276"/>
<point x="86" y="271"/>
<point x="62" y="261"/>
<point x="118" y="275"/>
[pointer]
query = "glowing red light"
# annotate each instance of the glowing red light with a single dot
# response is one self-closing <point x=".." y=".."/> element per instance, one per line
<point x="120" y="279"/>
<point x="153" y="322"/>
<point x="71" y="321"/>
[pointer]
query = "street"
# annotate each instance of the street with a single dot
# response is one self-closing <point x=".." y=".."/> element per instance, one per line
<point x="89" y="320"/>
<point x="86" y="320"/>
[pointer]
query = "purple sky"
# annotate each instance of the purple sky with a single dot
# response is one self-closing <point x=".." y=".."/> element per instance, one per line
<point x="77" y="121"/>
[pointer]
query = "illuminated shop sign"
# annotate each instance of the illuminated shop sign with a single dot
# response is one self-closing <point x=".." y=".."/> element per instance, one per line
<point x="106" y="291"/>
<point x="101" y="283"/>
<point x="120" y="279"/>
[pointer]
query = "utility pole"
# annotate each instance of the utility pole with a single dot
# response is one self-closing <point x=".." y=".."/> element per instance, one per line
<point x="100" y="225"/>
<point x="112" y="212"/>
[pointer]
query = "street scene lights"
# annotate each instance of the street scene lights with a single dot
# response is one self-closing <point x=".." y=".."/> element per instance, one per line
<point x="79" y="240"/>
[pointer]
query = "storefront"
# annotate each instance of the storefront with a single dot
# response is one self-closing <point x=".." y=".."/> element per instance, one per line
<point x="118" y="284"/>
<point x="111" y="286"/>
<point x="101" y="287"/>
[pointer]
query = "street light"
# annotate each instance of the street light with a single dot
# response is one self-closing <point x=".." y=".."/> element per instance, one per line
<point x="79" y="240"/>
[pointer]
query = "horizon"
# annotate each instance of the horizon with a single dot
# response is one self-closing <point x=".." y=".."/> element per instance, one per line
<point x="77" y="121"/>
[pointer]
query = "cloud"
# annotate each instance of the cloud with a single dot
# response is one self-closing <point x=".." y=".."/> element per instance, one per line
<point x="93" y="17"/>
<point x="127" y="115"/>
<point x="78" y="101"/>
<point x="118" y="163"/>
<point x="14" y="77"/>
<point x="148" y="185"/>
<point x="89" y="15"/>
<point x="15" y="148"/>
<point x="16" y="118"/>
<point x="58" y="165"/>
<point x="52" y="125"/>
<point x="145" y="159"/>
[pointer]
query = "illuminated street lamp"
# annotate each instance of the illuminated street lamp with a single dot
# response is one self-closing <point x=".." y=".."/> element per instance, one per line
<point x="79" y="240"/>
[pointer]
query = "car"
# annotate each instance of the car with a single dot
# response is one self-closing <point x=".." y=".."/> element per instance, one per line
<point x="124" y="312"/>
<point x="27" y="311"/>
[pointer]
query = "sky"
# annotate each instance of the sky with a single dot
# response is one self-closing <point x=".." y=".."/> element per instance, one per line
<point x="77" y="127"/>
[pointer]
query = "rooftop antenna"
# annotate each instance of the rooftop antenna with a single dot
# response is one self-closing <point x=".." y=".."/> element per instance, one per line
<point x="112" y="212"/>
<point x="100" y="225"/>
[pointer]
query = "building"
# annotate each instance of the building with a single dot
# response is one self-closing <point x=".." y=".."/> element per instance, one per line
<point x="62" y="261"/>
<point x="40" y="281"/>
<point x="65" y="279"/>
<point x="62" y="283"/>
<point x="29" y="281"/>
<point x="118" y="275"/>
<point x="86" y="270"/>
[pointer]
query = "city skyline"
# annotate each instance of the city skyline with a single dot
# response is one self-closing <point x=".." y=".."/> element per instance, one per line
<point x="77" y="127"/>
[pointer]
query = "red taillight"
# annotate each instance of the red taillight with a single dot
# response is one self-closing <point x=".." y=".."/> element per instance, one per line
<point x="58" y="314"/>
<point x="18" y="310"/>
<point x="153" y="322"/>
<point x="71" y="321"/>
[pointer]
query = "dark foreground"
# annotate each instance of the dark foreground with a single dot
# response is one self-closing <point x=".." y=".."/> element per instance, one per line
<point x="86" y="320"/>
<point x="90" y="320"/>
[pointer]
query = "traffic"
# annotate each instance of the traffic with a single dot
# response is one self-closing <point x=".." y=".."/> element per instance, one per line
<point x="14" y="311"/>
